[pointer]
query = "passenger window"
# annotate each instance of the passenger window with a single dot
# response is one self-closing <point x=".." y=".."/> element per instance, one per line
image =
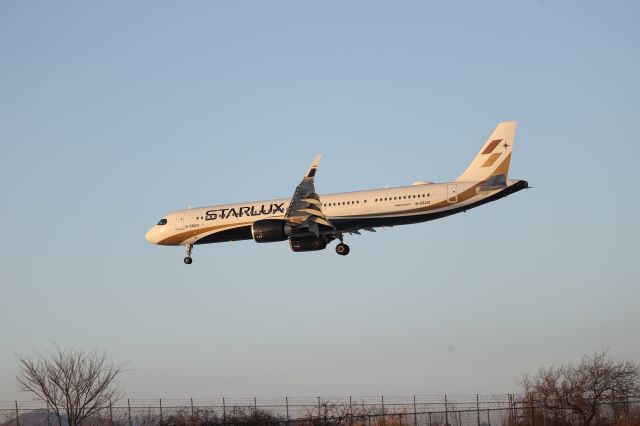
<point x="162" y="221"/>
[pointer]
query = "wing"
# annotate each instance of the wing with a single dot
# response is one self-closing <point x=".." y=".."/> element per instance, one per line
<point x="305" y="210"/>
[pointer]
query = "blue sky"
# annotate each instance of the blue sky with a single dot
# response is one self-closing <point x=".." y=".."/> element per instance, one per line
<point x="115" y="113"/>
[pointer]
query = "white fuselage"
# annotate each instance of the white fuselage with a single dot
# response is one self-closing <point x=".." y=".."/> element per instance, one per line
<point x="361" y="209"/>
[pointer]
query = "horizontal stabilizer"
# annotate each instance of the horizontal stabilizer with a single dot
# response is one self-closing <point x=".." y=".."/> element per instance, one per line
<point x="493" y="183"/>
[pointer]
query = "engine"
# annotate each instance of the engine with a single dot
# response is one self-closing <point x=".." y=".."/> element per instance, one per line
<point x="270" y="230"/>
<point x="307" y="244"/>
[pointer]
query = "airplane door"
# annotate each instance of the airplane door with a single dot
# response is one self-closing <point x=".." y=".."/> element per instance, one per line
<point x="180" y="221"/>
<point x="452" y="193"/>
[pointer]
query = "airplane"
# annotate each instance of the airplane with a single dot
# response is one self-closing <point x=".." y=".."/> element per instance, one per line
<point x="310" y="221"/>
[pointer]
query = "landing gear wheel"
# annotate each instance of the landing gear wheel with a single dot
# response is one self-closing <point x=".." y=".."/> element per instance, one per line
<point x="188" y="259"/>
<point x="342" y="249"/>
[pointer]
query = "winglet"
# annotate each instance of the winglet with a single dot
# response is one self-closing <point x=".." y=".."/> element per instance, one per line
<point x="314" y="166"/>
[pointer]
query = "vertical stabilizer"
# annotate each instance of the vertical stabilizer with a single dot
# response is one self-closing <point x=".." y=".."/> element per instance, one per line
<point x="495" y="155"/>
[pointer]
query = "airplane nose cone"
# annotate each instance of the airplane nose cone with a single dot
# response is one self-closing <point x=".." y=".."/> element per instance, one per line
<point x="151" y="236"/>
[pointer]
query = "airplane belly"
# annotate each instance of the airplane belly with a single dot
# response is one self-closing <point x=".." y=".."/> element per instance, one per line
<point x="233" y="234"/>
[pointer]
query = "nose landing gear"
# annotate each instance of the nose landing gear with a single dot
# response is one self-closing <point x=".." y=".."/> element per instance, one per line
<point x="188" y="260"/>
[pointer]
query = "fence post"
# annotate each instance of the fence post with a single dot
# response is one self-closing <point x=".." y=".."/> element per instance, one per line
<point x="446" y="411"/>
<point x="129" y="407"/>
<point x="415" y="412"/>
<point x="532" y="409"/>
<point x="384" y="419"/>
<point x="286" y="403"/>
<point x="17" y="414"/>
<point x="160" y="411"/>
<point x="429" y="418"/>
<point x="255" y="406"/>
<point x="319" y="412"/>
<point x="224" y="413"/>
<point x="626" y="408"/>
<point x="191" y="407"/>
<point x="488" y="418"/>
<point x="110" y="414"/>
<point x="478" y="407"/>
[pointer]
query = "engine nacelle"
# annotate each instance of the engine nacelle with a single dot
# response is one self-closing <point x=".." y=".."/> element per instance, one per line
<point x="307" y="244"/>
<point x="270" y="230"/>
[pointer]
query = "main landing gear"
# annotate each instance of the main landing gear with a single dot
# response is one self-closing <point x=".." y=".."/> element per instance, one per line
<point x="342" y="249"/>
<point x="188" y="259"/>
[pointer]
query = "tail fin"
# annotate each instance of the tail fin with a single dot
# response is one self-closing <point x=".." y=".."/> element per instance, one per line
<point x="494" y="157"/>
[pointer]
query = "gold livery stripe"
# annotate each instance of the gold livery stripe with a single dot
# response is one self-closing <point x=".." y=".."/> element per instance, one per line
<point x="492" y="145"/>
<point x="492" y="159"/>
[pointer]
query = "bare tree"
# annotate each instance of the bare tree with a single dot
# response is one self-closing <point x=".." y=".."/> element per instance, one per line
<point x="582" y="389"/>
<point x="341" y="413"/>
<point x="76" y="383"/>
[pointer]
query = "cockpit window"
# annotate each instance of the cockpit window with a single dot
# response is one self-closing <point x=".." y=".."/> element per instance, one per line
<point x="162" y="221"/>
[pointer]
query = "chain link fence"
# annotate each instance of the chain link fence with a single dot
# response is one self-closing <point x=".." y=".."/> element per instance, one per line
<point x="444" y="410"/>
